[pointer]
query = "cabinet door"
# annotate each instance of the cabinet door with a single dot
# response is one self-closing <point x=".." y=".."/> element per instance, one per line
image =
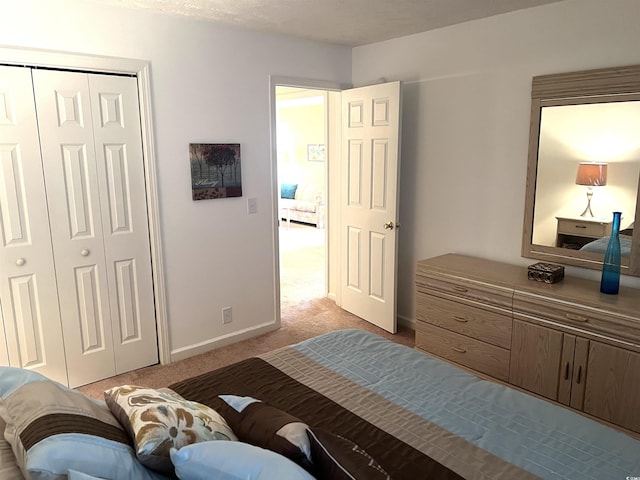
<point x="565" y="381"/>
<point x="580" y="369"/>
<point x="612" y="390"/>
<point x="28" y="292"/>
<point x="536" y="354"/>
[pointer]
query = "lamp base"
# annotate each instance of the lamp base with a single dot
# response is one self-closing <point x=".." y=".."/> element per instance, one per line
<point x="588" y="208"/>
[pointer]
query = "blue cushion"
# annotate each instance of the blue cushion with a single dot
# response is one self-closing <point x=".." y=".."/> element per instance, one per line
<point x="53" y="429"/>
<point x="73" y="475"/>
<point x="220" y="460"/>
<point x="288" y="190"/>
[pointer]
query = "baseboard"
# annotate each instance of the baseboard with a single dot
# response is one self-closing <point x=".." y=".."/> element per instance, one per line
<point x="212" y="344"/>
<point x="406" y="322"/>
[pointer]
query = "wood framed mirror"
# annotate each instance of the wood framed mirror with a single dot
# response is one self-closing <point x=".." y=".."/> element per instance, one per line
<point x="584" y="164"/>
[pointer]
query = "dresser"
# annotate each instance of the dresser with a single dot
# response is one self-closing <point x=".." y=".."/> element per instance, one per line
<point x="566" y="342"/>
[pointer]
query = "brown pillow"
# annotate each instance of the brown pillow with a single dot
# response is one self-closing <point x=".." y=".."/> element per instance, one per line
<point x="336" y="458"/>
<point x="262" y="425"/>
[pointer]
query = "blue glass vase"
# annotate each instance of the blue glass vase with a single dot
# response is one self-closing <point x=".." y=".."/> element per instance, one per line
<point x="610" y="282"/>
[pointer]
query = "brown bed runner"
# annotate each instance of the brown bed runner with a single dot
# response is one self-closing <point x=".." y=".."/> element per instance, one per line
<point x="257" y="378"/>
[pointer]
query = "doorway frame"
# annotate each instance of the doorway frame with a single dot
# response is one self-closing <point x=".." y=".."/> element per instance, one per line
<point x="333" y="151"/>
<point x="26" y="57"/>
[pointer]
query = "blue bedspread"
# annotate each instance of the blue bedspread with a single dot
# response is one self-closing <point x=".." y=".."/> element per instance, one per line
<point x="600" y="245"/>
<point x="542" y="438"/>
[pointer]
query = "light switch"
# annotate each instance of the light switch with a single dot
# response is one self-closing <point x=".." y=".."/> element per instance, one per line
<point x="252" y="205"/>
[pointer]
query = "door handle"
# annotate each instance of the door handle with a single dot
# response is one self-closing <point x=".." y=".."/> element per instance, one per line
<point x="84" y="252"/>
<point x="388" y="226"/>
<point x="20" y="262"/>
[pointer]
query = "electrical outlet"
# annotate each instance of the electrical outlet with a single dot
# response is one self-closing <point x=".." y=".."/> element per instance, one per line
<point x="227" y="315"/>
<point x="252" y="205"/>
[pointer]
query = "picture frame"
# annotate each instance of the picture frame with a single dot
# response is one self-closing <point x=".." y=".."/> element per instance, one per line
<point x="316" y="152"/>
<point x="215" y="170"/>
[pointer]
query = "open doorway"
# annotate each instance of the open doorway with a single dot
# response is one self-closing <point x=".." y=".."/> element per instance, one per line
<point x="302" y="185"/>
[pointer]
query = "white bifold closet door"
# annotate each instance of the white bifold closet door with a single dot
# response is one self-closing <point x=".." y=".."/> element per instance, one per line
<point x="32" y="336"/>
<point x="91" y="163"/>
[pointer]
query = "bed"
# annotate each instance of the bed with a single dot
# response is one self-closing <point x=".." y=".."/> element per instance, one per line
<point x="600" y="245"/>
<point x="408" y="414"/>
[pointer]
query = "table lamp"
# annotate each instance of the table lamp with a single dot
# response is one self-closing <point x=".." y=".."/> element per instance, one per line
<point x="591" y="174"/>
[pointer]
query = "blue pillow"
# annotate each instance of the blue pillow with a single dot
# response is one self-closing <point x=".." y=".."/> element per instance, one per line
<point x="73" y="475"/>
<point x="53" y="429"/>
<point x="220" y="460"/>
<point x="288" y="190"/>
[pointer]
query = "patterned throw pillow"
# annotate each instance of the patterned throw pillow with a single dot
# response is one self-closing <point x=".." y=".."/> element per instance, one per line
<point x="159" y="420"/>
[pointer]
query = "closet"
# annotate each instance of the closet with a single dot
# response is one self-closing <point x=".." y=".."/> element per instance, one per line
<point x="76" y="290"/>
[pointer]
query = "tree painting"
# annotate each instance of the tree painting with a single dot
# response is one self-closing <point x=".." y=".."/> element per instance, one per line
<point x="215" y="170"/>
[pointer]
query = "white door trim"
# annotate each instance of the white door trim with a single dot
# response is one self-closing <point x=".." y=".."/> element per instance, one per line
<point x="139" y="68"/>
<point x="283" y="81"/>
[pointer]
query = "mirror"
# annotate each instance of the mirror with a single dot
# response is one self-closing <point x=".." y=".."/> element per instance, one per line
<point x="584" y="164"/>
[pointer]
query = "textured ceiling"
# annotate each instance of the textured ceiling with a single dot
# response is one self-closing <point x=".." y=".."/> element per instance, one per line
<point x="343" y="22"/>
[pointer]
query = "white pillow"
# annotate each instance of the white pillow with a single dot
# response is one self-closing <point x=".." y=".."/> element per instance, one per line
<point x="221" y="460"/>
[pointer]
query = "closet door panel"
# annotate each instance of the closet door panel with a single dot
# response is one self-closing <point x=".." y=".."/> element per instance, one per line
<point x="28" y="292"/>
<point x="120" y="167"/>
<point x="69" y="159"/>
<point x="4" y="354"/>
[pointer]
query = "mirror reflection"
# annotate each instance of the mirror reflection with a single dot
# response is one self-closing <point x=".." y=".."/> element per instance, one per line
<point x="588" y="167"/>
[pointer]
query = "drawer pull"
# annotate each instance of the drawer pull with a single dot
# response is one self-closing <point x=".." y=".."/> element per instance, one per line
<point x="460" y="289"/>
<point x="580" y="226"/>
<point x="577" y="318"/>
<point x="460" y="319"/>
<point x="459" y="349"/>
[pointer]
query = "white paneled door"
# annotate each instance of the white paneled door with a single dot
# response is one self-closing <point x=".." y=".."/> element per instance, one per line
<point x="369" y="192"/>
<point x="28" y="290"/>
<point x="116" y="126"/>
<point x="91" y="156"/>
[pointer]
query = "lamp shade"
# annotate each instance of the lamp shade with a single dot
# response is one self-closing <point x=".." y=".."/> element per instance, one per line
<point x="592" y="174"/>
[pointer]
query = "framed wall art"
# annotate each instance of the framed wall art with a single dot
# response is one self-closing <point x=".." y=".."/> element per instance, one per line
<point x="315" y="152"/>
<point x="215" y="170"/>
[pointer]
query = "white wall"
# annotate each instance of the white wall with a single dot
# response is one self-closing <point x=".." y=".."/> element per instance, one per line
<point x="466" y="119"/>
<point x="210" y="84"/>
<point x="301" y="122"/>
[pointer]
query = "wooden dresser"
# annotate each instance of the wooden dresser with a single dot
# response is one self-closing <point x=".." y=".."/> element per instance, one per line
<point x="565" y="341"/>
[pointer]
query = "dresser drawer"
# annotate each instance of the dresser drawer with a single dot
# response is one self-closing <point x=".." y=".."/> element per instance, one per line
<point x="581" y="228"/>
<point x="474" y="354"/>
<point x="472" y="321"/>
<point x="529" y="306"/>
<point x="488" y="294"/>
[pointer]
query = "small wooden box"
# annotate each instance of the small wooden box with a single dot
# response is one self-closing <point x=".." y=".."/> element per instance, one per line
<point x="545" y="272"/>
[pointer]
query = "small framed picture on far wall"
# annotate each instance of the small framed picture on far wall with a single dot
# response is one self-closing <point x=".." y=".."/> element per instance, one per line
<point x="315" y="152"/>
